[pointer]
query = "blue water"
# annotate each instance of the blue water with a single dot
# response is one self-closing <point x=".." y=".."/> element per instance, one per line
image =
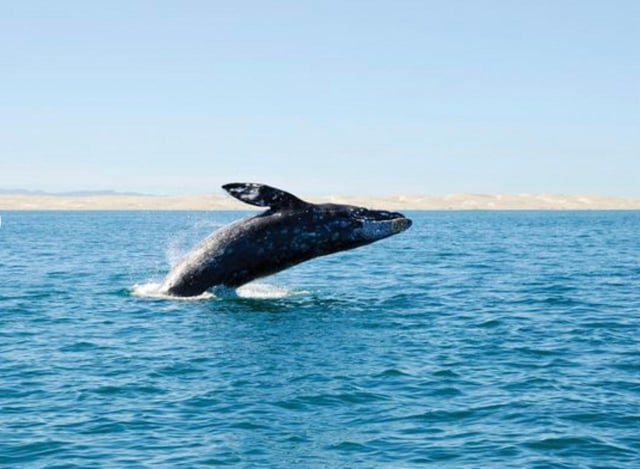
<point x="475" y="339"/>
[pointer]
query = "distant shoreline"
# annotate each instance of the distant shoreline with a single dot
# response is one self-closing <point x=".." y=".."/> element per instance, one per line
<point x="396" y="202"/>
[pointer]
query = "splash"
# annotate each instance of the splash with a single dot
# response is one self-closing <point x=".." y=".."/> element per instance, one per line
<point x="152" y="290"/>
<point x="259" y="291"/>
<point x="263" y="291"/>
<point x="181" y="243"/>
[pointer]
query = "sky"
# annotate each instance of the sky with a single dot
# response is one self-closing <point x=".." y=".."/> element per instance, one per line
<point x="321" y="97"/>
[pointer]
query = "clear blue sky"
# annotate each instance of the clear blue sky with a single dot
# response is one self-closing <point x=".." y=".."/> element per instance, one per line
<point x="321" y="97"/>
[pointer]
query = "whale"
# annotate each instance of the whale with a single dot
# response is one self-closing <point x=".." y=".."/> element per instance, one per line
<point x="288" y="232"/>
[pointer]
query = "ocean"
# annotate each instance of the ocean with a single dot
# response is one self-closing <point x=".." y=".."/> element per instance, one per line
<point x="475" y="339"/>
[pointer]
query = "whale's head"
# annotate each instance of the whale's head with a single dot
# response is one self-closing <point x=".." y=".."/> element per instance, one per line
<point x="352" y="226"/>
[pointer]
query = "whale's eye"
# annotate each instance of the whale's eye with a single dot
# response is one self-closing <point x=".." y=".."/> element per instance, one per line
<point x="344" y="213"/>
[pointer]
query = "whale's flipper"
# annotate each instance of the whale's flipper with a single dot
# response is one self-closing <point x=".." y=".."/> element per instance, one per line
<point x="262" y="195"/>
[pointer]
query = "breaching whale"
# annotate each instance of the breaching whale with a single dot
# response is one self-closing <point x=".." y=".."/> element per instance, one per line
<point x="289" y="232"/>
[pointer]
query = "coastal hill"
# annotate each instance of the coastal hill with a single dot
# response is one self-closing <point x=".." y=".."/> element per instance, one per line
<point x="109" y="200"/>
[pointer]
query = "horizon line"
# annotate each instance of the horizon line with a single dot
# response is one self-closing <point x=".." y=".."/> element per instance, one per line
<point x="128" y="193"/>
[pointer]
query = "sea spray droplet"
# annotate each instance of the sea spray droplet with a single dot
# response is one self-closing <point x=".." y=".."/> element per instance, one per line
<point x="181" y="242"/>
<point x="177" y="247"/>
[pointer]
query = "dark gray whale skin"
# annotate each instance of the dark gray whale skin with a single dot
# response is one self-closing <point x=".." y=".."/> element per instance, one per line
<point x="291" y="231"/>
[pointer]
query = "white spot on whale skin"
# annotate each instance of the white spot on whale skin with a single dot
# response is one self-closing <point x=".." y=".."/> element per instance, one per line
<point x="253" y="193"/>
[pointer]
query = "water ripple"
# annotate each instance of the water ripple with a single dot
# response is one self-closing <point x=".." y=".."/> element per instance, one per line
<point x="475" y="339"/>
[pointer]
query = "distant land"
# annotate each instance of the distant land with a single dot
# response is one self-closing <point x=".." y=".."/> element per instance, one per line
<point x="64" y="194"/>
<point x="112" y="200"/>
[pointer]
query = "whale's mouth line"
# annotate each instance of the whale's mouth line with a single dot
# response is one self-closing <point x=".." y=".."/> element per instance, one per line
<point x="377" y="215"/>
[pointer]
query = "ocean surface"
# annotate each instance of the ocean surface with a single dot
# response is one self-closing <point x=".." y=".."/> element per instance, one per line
<point x="475" y="339"/>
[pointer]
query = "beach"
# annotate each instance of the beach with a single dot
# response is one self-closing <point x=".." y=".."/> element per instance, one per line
<point x="462" y="201"/>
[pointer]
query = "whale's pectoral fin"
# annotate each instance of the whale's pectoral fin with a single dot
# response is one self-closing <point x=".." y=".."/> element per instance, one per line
<point x="262" y="195"/>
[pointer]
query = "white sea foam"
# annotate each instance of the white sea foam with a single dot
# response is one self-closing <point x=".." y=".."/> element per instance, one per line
<point x="263" y="291"/>
<point x="260" y="291"/>
<point x="152" y="290"/>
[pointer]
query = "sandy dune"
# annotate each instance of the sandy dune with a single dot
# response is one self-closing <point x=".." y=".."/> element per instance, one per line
<point x="397" y="202"/>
